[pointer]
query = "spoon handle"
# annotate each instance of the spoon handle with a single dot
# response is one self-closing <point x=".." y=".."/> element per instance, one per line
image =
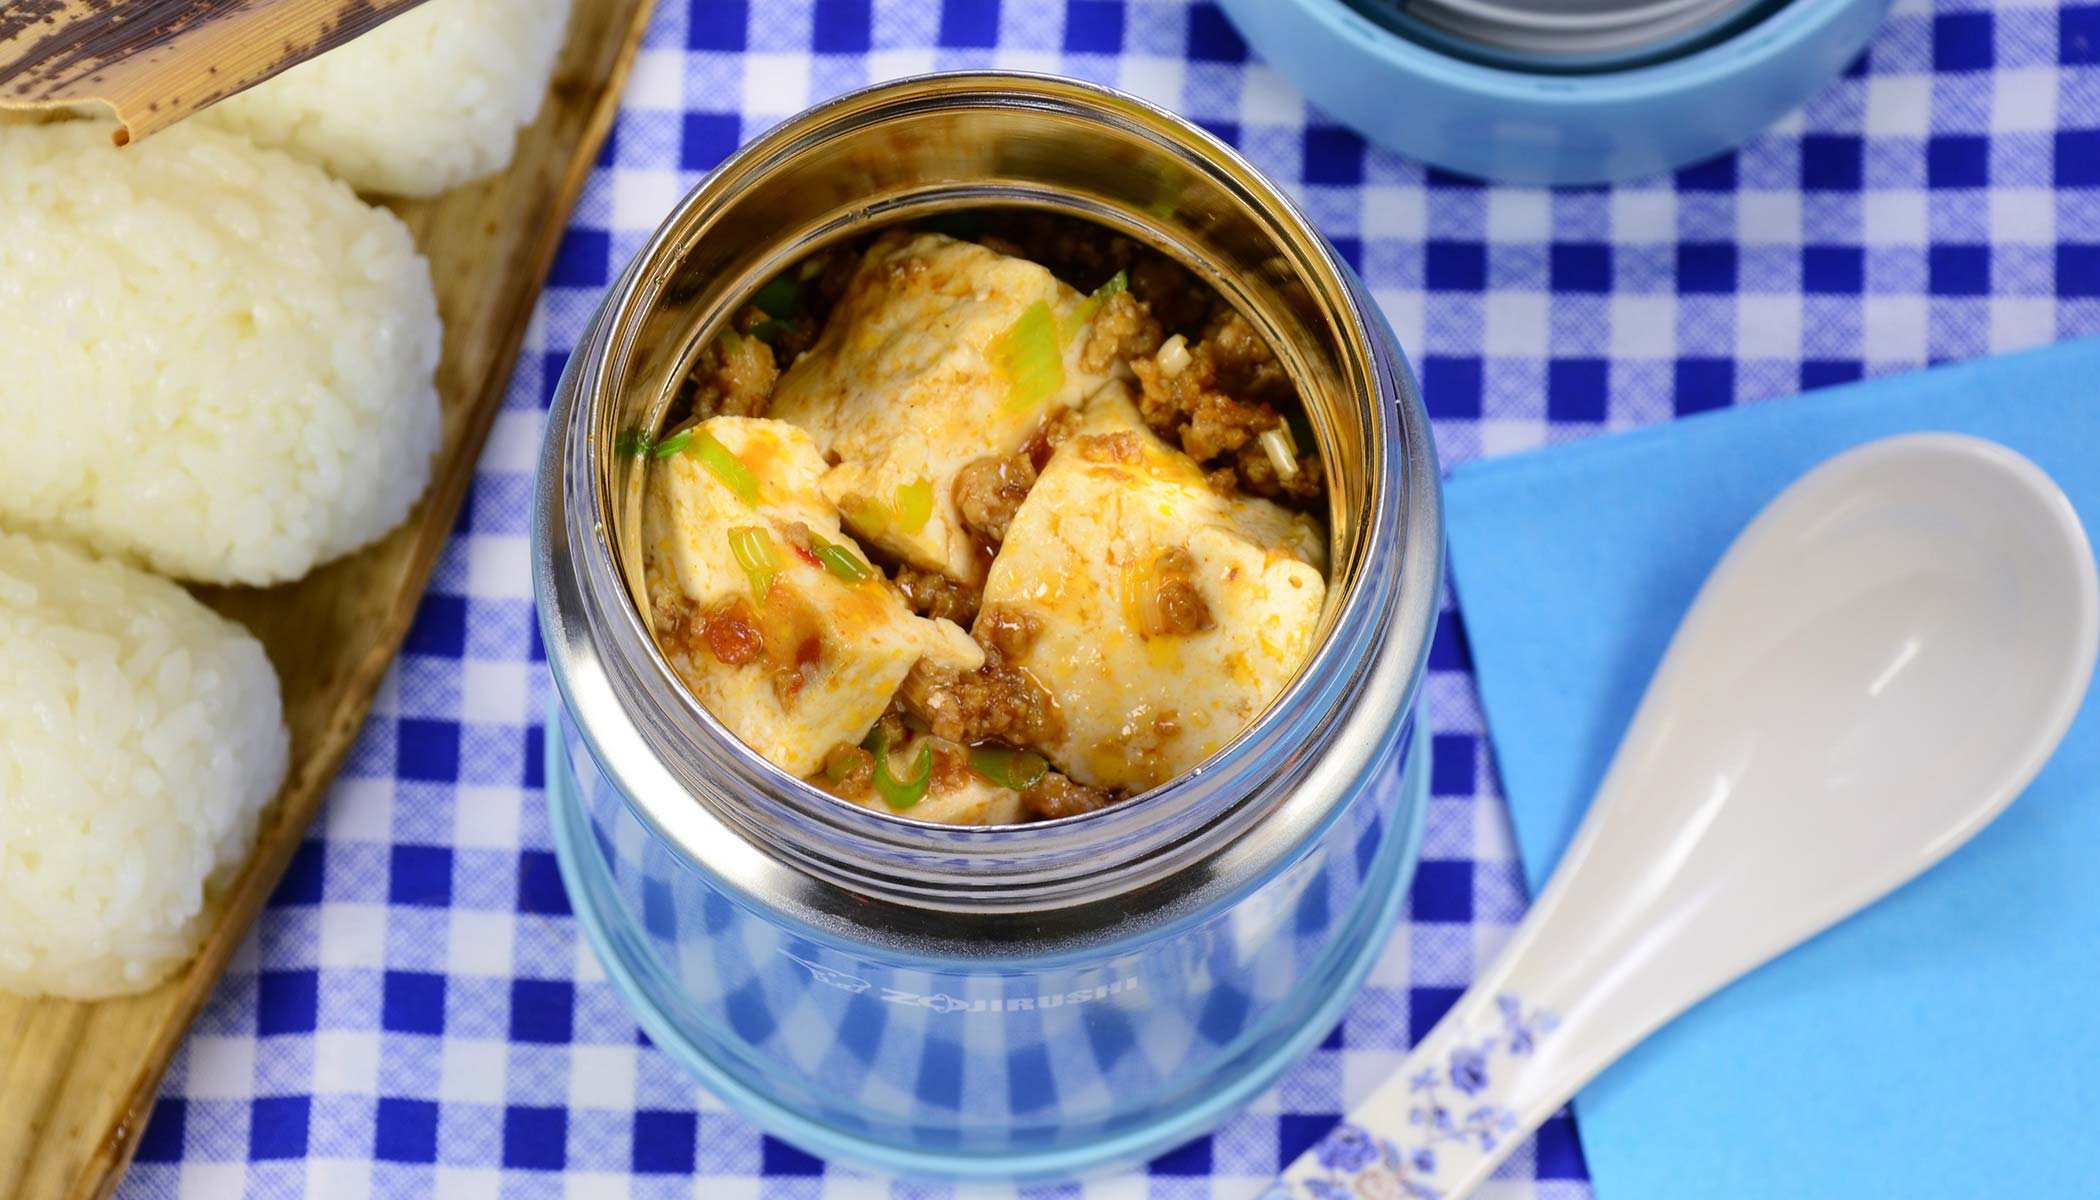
<point x="1643" y="917"/>
<point x="1466" y="1096"/>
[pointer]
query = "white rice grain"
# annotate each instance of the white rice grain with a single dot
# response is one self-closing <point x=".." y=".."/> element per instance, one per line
<point x="140" y="735"/>
<point x="427" y="101"/>
<point x="214" y="359"/>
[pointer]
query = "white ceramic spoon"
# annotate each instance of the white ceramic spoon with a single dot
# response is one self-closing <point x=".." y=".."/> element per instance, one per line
<point x="1884" y="658"/>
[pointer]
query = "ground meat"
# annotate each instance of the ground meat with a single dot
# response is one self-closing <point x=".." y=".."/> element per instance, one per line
<point x="732" y="633"/>
<point x="1178" y="299"/>
<point x="849" y="771"/>
<point x="1182" y="610"/>
<point x="997" y="701"/>
<point x="736" y="372"/>
<point x="1010" y="631"/>
<point x="678" y="633"/>
<point x="1245" y="366"/>
<point x="1214" y="424"/>
<point x="1056" y="795"/>
<point x="1124" y="329"/>
<point x="1188" y="407"/>
<point x="951" y="768"/>
<point x="788" y="336"/>
<point x="989" y="490"/>
<point x="1082" y="254"/>
<point x="734" y="377"/>
<point x="1216" y="429"/>
<point x="798" y="537"/>
<point x="1122" y="446"/>
<point x="1055" y="431"/>
<point x="1086" y="256"/>
<point x="890" y="729"/>
<point x="1257" y="473"/>
<point x="932" y="594"/>
<point x="783" y="637"/>
<point x="789" y="678"/>
<point x="819" y="281"/>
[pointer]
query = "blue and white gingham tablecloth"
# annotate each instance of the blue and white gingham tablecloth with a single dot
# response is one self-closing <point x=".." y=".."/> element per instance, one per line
<point x="415" y="1014"/>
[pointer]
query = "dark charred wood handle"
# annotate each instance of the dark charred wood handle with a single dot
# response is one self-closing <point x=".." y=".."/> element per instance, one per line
<point x="154" y="62"/>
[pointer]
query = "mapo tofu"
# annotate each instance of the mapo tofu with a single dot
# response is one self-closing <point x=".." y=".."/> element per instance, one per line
<point x="1161" y="615"/>
<point x="940" y="353"/>
<point x="1043" y="432"/>
<point x="766" y="610"/>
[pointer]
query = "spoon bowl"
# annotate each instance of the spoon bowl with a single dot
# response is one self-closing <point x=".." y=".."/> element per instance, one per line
<point x="1884" y="658"/>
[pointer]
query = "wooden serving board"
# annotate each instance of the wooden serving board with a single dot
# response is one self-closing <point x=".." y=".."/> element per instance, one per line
<point x="77" y="1081"/>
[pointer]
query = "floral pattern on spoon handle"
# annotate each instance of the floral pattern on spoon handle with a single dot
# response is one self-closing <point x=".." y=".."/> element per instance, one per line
<point x="1458" y="1112"/>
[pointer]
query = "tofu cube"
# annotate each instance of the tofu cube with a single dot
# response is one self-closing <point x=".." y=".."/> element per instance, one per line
<point x="1163" y="616"/>
<point x="941" y="352"/>
<point x="790" y="656"/>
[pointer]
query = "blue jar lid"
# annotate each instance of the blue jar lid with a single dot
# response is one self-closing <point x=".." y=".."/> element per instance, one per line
<point x="1516" y="116"/>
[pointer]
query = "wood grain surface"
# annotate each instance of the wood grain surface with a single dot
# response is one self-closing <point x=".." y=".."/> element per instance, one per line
<point x="154" y="62"/>
<point x="77" y="1081"/>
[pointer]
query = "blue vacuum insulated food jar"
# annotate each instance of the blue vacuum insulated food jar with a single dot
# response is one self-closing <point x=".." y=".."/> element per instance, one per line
<point x="1553" y="91"/>
<point x="1016" y="1001"/>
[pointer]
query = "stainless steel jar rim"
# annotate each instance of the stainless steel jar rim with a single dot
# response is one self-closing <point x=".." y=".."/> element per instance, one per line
<point x="688" y="778"/>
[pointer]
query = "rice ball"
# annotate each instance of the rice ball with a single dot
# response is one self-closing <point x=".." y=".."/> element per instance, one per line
<point x="140" y="735"/>
<point x="216" y="360"/>
<point x="427" y="101"/>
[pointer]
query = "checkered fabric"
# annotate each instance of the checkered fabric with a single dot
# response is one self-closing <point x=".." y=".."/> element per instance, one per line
<point x="415" y="1014"/>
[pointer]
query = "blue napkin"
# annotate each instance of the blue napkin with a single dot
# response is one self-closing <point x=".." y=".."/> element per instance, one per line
<point x="1946" y="1042"/>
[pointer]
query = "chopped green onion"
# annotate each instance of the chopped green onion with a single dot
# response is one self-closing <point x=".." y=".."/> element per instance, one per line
<point x="765" y="331"/>
<point x="632" y="443"/>
<point x="1301" y="427"/>
<point x="914" y="505"/>
<point x="1173" y="357"/>
<point x="1090" y="307"/>
<point x="1143" y="581"/>
<point x="1017" y="770"/>
<point x="778" y="298"/>
<point x="1276" y="443"/>
<point x="903" y="793"/>
<point x="1028" y="769"/>
<point x="991" y="761"/>
<point x="1029" y="357"/>
<point x="871" y="516"/>
<point x="730" y="339"/>
<point x="726" y="466"/>
<point x="838" y="766"/>
<point x="673" y="444"/>
<point x="908" y="511"/>
<point x="838" y="560"/>
<point x="755" y="553"/>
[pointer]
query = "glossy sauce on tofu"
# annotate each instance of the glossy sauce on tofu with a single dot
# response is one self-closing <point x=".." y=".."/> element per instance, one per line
<point x="1029" y="428"/>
